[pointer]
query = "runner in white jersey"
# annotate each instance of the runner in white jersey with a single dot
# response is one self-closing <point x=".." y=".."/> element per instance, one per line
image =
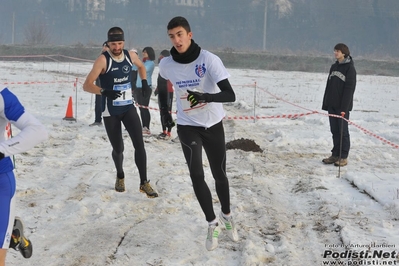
<point x="31" y="133"/>
<point x="201" y="85"/>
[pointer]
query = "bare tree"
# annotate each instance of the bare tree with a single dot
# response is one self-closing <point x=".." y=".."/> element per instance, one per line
<point x="36" y="33"/>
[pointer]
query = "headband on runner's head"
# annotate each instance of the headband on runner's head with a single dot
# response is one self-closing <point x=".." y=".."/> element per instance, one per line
<point x="116" y="37"/>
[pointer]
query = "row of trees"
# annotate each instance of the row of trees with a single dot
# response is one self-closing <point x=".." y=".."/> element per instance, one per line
<point x="306" y="26"/>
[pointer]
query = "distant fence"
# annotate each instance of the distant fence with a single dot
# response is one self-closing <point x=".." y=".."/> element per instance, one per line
<point x="231" y="59"/>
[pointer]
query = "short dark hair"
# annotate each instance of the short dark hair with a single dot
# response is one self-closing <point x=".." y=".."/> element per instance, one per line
<point x="179" y="22"/>
<point x="150" y="52"/>
<point x="165" y="53"/>
<point x="343" y="48"/>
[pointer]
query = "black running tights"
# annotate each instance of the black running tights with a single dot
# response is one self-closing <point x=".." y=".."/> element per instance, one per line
<point x="192" y="140"/>
<point x="131" y="121"/>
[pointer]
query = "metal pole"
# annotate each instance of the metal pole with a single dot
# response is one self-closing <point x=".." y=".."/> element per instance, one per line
<point x="76" y="101"/>
<point x="255" y="103"/>
<point x="340" y="147"/>
<point x="13" y="28"/>
<point x="264" y="26"/>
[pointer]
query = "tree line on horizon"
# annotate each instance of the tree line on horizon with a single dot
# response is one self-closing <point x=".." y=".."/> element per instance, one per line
<point x="368" y="27"/>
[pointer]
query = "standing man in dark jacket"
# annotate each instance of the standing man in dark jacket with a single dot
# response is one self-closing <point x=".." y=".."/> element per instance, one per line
<point x="338" y="100"/>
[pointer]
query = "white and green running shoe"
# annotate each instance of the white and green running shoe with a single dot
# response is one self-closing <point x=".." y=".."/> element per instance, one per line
<point x="212" y="238"/>
<point x="230" y="227"/>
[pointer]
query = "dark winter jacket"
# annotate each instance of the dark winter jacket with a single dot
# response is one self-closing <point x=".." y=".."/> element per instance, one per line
<point x="341" y="84"/>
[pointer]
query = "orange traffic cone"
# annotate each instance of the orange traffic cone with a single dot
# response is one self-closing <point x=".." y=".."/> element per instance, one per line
<point x="69" y="112"/>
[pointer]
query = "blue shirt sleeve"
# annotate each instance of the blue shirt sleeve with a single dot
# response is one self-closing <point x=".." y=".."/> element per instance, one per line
<point x="13" y="109"/>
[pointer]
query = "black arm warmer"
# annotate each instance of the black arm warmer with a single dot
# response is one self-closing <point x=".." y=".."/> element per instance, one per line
<point x="162" y="93"/>
<point x="226" y="95"/>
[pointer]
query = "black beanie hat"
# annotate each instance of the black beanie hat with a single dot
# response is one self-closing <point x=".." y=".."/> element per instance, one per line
<point x="343" y="48"/>
<point x="115" y="34"/>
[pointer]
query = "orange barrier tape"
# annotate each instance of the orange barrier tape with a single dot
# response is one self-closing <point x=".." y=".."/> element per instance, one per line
<point x="46" y="56"/>
<point x="289" y="116"/>
<point x="34" y="82"/>
<point x="376" y="136"/>
<point x="150" y="108"/>
<point x="268" y="117"/>
<point x="368" y="132"/>
<point x="350" y="122"/>
<point x="244" y="85"/>
<point x="246" y="117"/>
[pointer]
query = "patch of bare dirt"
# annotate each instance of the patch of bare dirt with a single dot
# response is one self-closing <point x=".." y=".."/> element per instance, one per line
<point x="243" y="144"/>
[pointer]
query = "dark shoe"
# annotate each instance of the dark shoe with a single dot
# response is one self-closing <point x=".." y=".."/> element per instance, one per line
<point x="19" y="241"/>
<point x="341" y="162"/>
<point x="164" y="136"/>
<point x="147" y="189"/>
<point x="120" y="184"/>
<point x="96" y="124"/>
<point x="330" y="160"/>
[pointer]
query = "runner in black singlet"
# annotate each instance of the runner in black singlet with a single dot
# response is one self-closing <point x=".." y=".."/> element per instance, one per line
<point x="114" y="67"/>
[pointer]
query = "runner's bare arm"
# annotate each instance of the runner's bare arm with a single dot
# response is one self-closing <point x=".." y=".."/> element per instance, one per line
<point x="98" y="68"/>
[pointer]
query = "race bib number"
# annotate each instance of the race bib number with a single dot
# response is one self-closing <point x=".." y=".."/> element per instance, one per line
<point x="126" y="98"/>
<point x="199" y="108"/>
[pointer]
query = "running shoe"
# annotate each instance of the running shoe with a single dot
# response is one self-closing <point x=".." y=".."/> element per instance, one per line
<point x="19" y="241"/>
<point x="146" y="131"/>
<point x="164" y="136"/>
<point x="212" y="237"/>
<point x="96" y="124"/>
<point x="230" y="227"/>
<point x="120" y="184"/>
<point x="147" y="189"/>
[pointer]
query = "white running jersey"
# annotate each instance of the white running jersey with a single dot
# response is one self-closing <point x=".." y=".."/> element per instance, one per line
<point x="31" y="132"/>
<point x="200" y="75"/>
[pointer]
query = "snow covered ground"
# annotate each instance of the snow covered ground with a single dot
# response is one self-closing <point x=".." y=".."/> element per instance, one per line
<point x="290" y="208"/>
